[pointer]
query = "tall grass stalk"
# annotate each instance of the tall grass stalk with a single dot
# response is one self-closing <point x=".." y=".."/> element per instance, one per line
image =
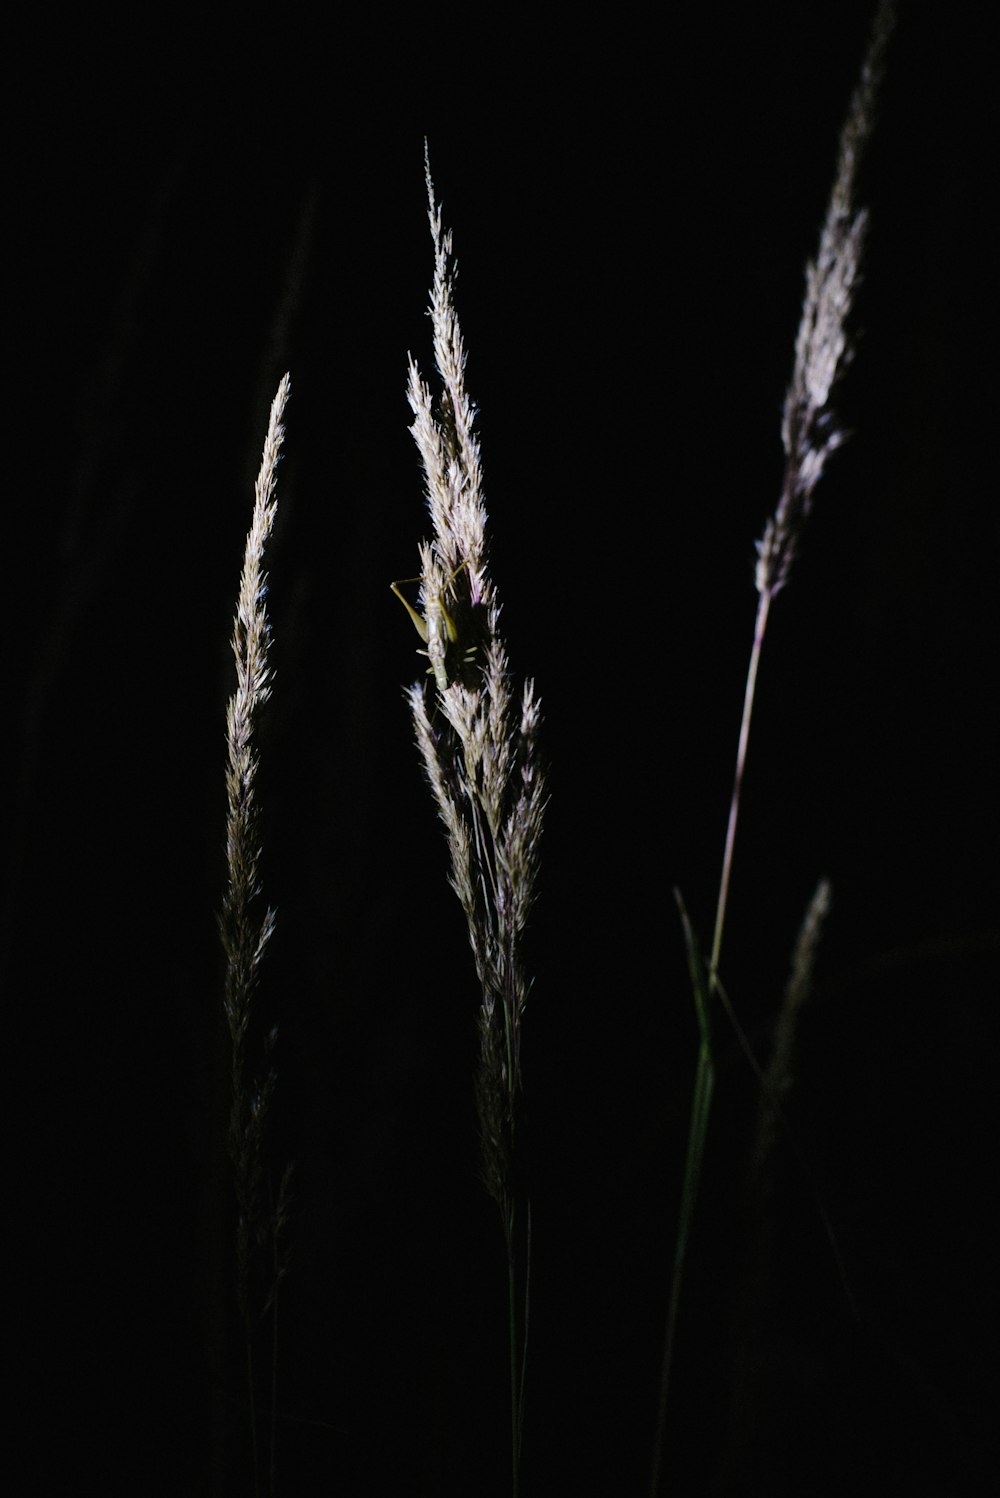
<point x="810" y="433"/>
<point x="245" y="934"/>
<point x="479" y="746"/>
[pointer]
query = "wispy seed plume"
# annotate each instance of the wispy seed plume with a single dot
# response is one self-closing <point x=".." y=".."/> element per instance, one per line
<point x="479" y="745"/>
<point x="809" y="428"/>
<point x="245" y="935"/>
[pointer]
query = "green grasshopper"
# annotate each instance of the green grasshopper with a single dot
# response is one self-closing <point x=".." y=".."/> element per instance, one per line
<point x="437" y="629"/>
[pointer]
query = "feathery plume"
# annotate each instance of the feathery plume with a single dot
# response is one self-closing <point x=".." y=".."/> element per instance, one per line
<point x="483" y="761"/>
<point x="809" y="429"/>
<point x="479" y="745"/>
<point x="244" y="937"/>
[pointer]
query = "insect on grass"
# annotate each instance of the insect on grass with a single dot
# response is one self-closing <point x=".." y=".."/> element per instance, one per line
<point x="436" y="626"/>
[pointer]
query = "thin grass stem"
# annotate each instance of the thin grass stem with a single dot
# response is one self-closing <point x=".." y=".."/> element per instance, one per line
<point x="515" y="1393"/>
<point x="252" y="1404"/>
<point x="760" y="627"/>
<point x="701" y="1107"/>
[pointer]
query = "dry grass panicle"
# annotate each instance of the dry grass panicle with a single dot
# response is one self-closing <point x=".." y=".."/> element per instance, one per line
<point x="809" y="429"/>
<point x="482" y="761"/>
<point x="245" y="935"/>
<point x="478" y="740"/>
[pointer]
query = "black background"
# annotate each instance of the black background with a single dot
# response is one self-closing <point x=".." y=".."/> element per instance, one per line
<point x="633" y="199"/>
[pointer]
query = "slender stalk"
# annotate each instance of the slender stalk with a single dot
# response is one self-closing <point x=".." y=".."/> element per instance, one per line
<point x="760" y="626"/>
<point x="701" y="1104"/>
<point x="252" y="1403"/>
<point x="515" y="1393"/>
<point x="705" y="986"/>
<point x="700" y="1107"/>
<point x="272" y="1467"/>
